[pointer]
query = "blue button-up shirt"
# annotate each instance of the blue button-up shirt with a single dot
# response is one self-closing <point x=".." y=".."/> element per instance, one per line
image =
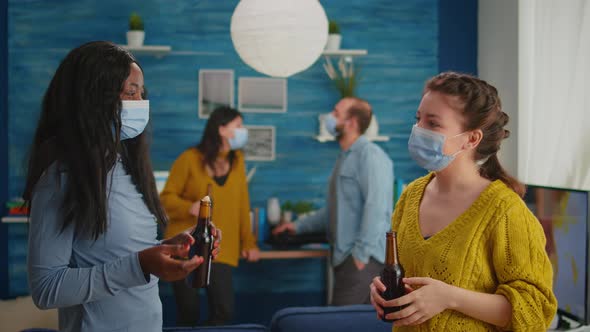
<point x="364" y="203"/>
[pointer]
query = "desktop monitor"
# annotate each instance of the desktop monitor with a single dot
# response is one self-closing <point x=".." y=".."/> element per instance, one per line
<point x="563" y="213"/>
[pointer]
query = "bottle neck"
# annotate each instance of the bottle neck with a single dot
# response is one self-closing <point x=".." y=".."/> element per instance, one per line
<point x="204" y="214"/>
<point x="204" y="209"/>
<point x="391" y="257"/>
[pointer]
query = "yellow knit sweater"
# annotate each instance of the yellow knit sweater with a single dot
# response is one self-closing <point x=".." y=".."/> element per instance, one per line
<point x="187" y="183"/>
<point x="496" y="246"/>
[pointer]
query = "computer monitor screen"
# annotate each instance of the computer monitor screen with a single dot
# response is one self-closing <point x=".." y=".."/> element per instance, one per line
<point x="564" y="216"/>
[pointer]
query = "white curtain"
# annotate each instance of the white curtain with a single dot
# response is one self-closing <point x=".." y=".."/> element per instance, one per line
<point x="554" y="93"/>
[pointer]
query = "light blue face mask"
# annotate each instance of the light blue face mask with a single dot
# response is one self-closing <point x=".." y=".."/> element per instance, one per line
<point x="330" y="124"/>
<point x="426" y="148"/>
<point x="240" y="138"/>
<point x="135" y="115"/>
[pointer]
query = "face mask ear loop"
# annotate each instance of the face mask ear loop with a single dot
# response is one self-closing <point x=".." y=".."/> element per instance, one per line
<point x="462" y="149"/>
<point x="482" y="161"/>
<point x="457" y="153"/>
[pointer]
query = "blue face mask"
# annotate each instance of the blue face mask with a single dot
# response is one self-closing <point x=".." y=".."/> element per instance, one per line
<point x="135" y="115"/>
<point x="240" y="139"/>
<point x="426" y="148"/>
<point x="330" y="124"/>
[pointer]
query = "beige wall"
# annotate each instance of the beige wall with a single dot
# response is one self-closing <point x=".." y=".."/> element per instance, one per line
<point x="497" y="63"/>
<point x="21" y="313"/>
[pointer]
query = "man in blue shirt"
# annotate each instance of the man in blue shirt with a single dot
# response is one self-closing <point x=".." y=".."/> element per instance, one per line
<point x="359" y="204"/>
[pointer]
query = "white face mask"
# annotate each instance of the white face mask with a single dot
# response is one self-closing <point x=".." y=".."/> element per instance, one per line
<point x="240" y="138"/>
<point x="426" y="148"/>
<point x="135" y="116"/>
<point x="330" y="123"/>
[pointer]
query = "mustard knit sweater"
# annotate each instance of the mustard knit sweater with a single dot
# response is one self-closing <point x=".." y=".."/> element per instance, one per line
<point x="497" y="246"/>
<point x="187" y="183"/>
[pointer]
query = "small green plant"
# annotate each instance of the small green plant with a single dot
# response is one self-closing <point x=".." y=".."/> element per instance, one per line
<point x="333" y="28"/>
<point x="347" y="85"/>
<point x="303" y="207"/>
<point x="287" y="206"/>
<point x="298" y="207"/>
<point x="135" y="22"/>
<point x="345" y="76"/>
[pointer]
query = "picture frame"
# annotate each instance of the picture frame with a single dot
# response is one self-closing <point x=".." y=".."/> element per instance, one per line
<point x="216" y="89"/>
<point x="262" y="95"/>
<point x="261" y="144"/>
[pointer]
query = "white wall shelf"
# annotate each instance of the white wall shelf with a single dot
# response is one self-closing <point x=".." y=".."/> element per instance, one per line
<point x="155" y="50"/>
<point x="15" y="219"/>
<point x="345" y="53"/>
<point x="323" y="139"/>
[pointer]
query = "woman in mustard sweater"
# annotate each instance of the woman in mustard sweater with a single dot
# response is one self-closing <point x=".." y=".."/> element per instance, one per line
<point x="217" y="160"/>
<point x="473" y="253"/>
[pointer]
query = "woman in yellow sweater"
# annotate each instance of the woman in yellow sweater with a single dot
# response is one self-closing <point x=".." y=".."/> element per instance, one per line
<point x="217" y="160"/>
<point x="473" y="253"/>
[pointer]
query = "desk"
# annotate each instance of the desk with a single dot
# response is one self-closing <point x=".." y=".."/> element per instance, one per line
<point x="313" y="250"/>
<point x="15" y="219"/>
<point x="294" y="253"/>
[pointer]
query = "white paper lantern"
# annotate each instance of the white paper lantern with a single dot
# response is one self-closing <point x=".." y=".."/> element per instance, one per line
<point x="279" y="37"/>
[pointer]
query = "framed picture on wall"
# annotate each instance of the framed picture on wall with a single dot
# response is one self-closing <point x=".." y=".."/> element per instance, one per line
<point x="261" y="143"/>
<point x="216" y="89"/>
<point x="262" y="95"/>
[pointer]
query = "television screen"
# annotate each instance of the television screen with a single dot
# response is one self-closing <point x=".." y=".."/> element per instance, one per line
<point x="564" y="216"/>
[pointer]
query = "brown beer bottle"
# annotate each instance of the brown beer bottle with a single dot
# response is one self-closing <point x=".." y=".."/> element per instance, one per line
<point x="203" y="245"/>
<point x="392" y="275"/>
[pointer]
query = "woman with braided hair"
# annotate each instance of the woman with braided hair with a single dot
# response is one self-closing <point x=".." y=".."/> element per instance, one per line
<point x="473" y="253"/>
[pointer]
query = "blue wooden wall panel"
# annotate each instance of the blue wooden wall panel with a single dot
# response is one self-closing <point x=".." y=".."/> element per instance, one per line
<point x="458" y="28"/>
<point x="4" y="286"/>
<point x="402" y="38"/>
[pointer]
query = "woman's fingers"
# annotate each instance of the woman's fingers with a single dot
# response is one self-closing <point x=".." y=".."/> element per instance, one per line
<point x="401" y="314"/>
<point x="380" y="286"/>
<point x="191" y="264"/>
<point x="376" y="296"/>
<point x="410" y="320"/>
<point x="377" y="307"/>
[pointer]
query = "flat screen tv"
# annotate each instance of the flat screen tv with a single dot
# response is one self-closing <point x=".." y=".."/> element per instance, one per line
<point x="563" y="214"/>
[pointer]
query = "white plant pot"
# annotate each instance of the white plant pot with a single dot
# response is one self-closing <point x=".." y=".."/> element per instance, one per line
<point x="135" y="38"/>
<point x="373" y="130"/>
<point x="273" y="211"/>
<point x="287" y="216"/>
<point x="333" y="43"/>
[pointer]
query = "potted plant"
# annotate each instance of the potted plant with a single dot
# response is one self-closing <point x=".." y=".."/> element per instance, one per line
<point x="135" y="35"/>
<point x="334" y="37"/>
<point x="303" y="207"/>
<point x="344" y="76"/>
<point x="287" y="209"/>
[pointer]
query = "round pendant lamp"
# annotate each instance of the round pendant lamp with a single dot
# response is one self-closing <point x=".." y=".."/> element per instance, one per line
<point x="279" y="38"/>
